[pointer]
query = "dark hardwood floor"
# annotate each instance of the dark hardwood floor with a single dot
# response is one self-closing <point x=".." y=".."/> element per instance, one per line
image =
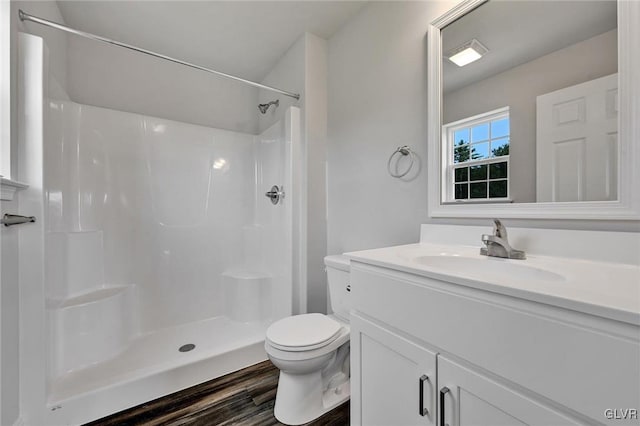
<point x="245" y="397"/>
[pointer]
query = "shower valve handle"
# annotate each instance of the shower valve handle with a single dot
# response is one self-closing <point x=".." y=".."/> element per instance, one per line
<point x="275" y="194"/>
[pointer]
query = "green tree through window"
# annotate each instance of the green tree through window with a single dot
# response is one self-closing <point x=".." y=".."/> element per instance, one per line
<point x="462" y="153"/>
<point x="500" y="151"/>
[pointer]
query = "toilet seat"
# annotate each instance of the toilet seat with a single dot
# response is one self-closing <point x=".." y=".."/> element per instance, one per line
<point x="306" y="353"/>
<point x="303" y="332"/>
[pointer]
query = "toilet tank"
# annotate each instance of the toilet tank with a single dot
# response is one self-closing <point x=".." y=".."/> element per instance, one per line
<point x="339" y="291"/>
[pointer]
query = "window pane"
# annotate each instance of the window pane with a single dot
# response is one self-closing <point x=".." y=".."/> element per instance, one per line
<point x="478" y="172"/>
<point x="461" y="192"/>
<point x="478" y="190"/>
<point x="461" y="153"/>
<point x="480" y="151"/>
<point x="462" y="174"/>
<point x="497" y="189"/>
<point x="500" y="147"/>
<point x="475" y="147"/>
<point x="480" y="133"/>
<point x="500" y="128"/>
<point x="461" y="136"/>
<point x="498" y="170"/>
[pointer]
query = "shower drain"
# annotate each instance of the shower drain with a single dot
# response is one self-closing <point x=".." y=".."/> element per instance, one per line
<point x="186" y="348"/>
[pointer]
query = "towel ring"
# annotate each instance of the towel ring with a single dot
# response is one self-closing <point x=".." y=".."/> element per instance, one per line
<point x="403" y="150"/>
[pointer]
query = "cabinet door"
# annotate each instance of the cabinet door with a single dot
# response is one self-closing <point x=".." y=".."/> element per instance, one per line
<point x="392" y="378"/>
<point x="466" y="397"/>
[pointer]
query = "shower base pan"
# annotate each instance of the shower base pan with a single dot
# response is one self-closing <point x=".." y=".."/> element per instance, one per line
<point x="154" y="365"/>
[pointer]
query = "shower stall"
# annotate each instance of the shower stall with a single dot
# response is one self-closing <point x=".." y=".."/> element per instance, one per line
<point x="163" y="259"/>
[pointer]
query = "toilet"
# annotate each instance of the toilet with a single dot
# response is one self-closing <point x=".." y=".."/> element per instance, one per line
<point x="312" y="353"/>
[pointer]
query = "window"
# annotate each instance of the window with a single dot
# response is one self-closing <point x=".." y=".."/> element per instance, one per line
<point x="476" y="154"/>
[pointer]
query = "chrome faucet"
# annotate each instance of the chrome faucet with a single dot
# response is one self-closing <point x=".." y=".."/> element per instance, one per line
<point x="497" y="245"/>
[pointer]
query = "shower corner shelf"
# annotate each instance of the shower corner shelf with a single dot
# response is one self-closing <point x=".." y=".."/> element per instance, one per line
<point x="245" y="274"/>
<point x="94" y="296"/>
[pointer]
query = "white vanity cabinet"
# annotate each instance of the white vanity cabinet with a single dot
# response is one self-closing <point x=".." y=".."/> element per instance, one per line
<point x="398" y="383"/>
<point x="467" y="397"/>
<point x="491" y="359"/>
<point x="395" y="377"/>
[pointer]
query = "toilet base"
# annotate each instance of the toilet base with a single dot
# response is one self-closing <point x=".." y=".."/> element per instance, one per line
<point x="301" y="397"/>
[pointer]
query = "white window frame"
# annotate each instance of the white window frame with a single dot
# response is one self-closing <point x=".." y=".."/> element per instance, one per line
<point x="448" y="166"/>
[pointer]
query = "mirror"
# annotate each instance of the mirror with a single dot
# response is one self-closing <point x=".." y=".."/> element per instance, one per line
<point x="535" y="117"/>
<point x="527" y="113"/>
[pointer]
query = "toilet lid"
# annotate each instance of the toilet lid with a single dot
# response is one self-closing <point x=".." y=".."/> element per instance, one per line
<point x="303" y="330"/>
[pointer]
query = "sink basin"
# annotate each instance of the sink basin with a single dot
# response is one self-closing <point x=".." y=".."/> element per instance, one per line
<point x="487" y="267"/>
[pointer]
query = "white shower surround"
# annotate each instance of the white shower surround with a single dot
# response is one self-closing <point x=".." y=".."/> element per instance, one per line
<point x="158" y="235"/>
<point x="154" y="234"/>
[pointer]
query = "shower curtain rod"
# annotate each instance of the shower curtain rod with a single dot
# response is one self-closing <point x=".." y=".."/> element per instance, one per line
<point x="26" y="17"/>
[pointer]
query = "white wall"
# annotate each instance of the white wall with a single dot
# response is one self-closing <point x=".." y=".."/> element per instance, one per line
<point x="96" y="74"/>
<point x="377" y="102"/>
<point x="9" y="319"/>
<point x="303" y="69"/>
<point x="518" y="89"/>
<point x="5" y="88"/>
<point x="5" y="164"/>
<point x="316" y="140"/>
<point x="56" y="43"/>
<point x="288" y="73"/>
<point x="116" y="78"/>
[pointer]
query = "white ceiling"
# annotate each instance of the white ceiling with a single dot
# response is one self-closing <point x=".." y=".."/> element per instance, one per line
<point x="516" y="32"/>
<point x="243" y="38"/>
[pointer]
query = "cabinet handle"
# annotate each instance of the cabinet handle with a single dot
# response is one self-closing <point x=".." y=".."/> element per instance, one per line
<point x="423" y="411"/>
<point x="443" y="392"/>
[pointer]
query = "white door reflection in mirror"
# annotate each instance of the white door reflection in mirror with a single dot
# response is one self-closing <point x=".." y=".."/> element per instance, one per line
<point x="577" y="142"/>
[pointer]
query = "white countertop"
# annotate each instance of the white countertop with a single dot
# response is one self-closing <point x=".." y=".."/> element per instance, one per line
<point x="609" y="290"/>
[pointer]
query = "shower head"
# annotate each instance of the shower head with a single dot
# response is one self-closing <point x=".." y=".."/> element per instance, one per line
<point x="265" y="107"/>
